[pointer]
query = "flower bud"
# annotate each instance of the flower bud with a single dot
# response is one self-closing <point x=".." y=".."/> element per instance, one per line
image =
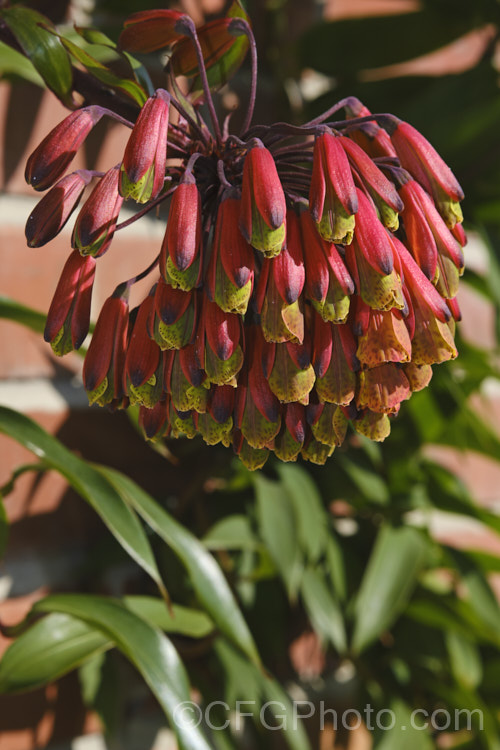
<point x="232" y="266"/>
<point x="142" y="172"/>
<point x="332" y="197"/>
<point x="104" y="365"/>
<point x="68" y="318"/>
<point x="52" y="157"/>
<point x="263" y="205"/>
<point x="53" y="211"/>
<point x="96" y="222"/>
<point x="418" y="156"/>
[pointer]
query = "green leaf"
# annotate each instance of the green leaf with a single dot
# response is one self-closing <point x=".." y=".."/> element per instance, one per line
<point x="89" y="483"/>
<point x="145" y="646"/>
<point x="368" y="482"/>
<point x="403" y="730"/>
<point x="50" y="648"/>
<point x="59" y="643"/>
<point x="224" y="68"/>
<point x="275" y="515"/>
<point x="310" y="516"/>
<point x="336" y="566"/>
<point x="175" y="619"/>
<point x="206" y="577"/>
<point x="126" y="85"/>
<point x="465" y="660"/>
<point x="233" y="532"/>
<point x="42" y="47"/>
<point x="323" y="609"/>
<point x="244" y="683"/>
<point x="141" y="75"/>
<point x="14" y="63"/>
<point x="396" y="559"/>
<point x="26" y="316"/>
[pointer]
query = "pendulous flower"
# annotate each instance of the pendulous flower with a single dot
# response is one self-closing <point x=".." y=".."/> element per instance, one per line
<point x="307" y="277"/>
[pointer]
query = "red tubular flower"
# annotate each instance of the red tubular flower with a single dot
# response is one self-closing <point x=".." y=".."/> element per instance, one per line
<point x="51" y="213"/>
<point x="280" y="287"/>
<point x="231" y="273"/>
<point x="153" y="422"/>
<point x="256" y="410"/>
<point x="263" y="204"/>
<point x="383" y="338"/>
<point x="370" y="136"/>
<point x="144" y="376"/>
<point x="370" y="260"/>
<point x="218" y="344"/>
<point x="382" y="191"/>
<point x="422" y="161"/>
<point x="96" y="222"/>
<point x="142" y="172"/>
<point x="52" y="157"/>
<point x="382" y="388"/>
<point x="173" y="318"/>
<point x="290" y="372"/>
<point x="150" y="30"/>
<point x="335" y="362"/>
<point x="328" y="282"/>
<point x="332" y="197"/>
<point x="288" y="443"/>
<point x="68" y="318"/>
<point x="432" y="339"/>
<point x="287" y="306"/>
<point x="434" y="247"/>
<point x="328" y="426"/>
<point x="103" y="369"/>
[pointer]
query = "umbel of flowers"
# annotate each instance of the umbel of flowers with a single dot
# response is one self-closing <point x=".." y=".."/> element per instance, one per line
<point x="307" y="276"/>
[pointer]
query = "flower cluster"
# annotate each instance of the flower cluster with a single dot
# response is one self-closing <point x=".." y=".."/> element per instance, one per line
<point x="307" y="276"/>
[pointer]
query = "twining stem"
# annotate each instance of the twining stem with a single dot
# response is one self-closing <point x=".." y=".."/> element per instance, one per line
<point x="349" y="100"/>
<point x="180" y="109"/>
<point x="190" y="29"/>
<point x="242" y="24"/>
<point x="145" y="210"/>
<point x="143" y="274"/>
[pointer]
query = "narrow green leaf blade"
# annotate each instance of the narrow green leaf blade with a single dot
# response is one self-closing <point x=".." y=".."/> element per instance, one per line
<point x="32" y="31"/>
<point x="50" y="648"/>
<point x="278" y="530"/>
<point x="206" y="576"/>
<point x="10" y="309"/>
<point x="323" y="609"/>
<point x="311" y="518"/>
<point x="396" y="560"/>
<point x="88" y="482"/>
<point x="146" y="647"/>
<point x="176" y="619"/>
<point x="232" y="532"/>
<point x="127" y="86"/>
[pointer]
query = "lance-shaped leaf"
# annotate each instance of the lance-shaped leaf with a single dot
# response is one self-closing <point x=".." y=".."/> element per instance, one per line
<point x="149" y="650"/>
<point x="395" y="562"/>
<point x="89" y="483"/>
<point x="34" y="33"/>
<point x="206" y="577"/>
<point x="127" y="86"/>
